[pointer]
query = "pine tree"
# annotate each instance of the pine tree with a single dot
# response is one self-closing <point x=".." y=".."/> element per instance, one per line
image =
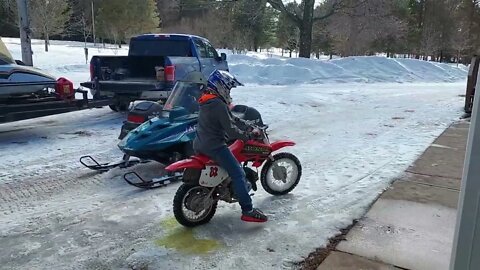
<point x="119" y="20"/>
<point x="254" y="22"/>
<point x="9" y="19"/>
<point x="467" y="31"/>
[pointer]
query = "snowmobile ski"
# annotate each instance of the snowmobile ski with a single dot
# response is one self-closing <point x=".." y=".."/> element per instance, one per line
<point x="93" y="164"/>
<point x="136" y="180"/>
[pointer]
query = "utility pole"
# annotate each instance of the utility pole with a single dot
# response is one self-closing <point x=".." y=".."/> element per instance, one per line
<point x="466" y="243"/>
<point x="24" y="24"/>
<point x="93" y="25"/>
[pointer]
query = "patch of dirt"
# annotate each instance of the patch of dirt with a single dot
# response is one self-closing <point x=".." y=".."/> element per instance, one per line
<point x="19" y="142"/>
<point x="315" y="105"/>
<point x="81" y="133"/>
<point x="315" y="258"/>
<point x="398" y="118"/>
<point x="12" y="130"/>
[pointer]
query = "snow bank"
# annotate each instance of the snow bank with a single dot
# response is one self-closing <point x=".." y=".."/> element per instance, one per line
<point x="252" y="68"/>
<point x="67" y="57"/>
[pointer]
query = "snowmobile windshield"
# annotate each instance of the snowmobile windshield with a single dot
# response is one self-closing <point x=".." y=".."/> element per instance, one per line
<point x="186" y="95"/>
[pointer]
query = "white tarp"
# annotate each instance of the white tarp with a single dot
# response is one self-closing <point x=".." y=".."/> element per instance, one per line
<point x="4" y="53"/>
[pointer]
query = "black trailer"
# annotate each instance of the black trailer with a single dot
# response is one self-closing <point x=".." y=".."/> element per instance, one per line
<point x="24" y="108"/>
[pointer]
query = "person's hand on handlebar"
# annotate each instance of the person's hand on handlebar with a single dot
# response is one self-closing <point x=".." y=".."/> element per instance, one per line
<point x="254" y="133"/>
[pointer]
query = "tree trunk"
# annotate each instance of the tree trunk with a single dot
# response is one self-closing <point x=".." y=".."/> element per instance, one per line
<point x="46" y="41"/>
<point x="317" y="54"/>
<point x="305" y="48"/>
<point x="282" y="52"/>
<point x="331" y="56"/>
<point x="458" y="57"/>
<point x="290" y="53"/>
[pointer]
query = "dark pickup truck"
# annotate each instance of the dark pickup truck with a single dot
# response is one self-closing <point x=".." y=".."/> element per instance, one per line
<point x="153" y="65"/>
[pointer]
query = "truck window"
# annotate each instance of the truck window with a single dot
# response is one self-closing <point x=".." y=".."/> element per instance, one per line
<point x="202" y="51"/>
<point x="160" y="47"/>
<point x="211" y="52"/>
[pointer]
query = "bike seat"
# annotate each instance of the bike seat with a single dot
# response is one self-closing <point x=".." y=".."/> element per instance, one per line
<point x="202" y="158"/>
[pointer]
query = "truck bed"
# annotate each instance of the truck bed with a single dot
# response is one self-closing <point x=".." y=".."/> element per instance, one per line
<point x="128" y="67"/>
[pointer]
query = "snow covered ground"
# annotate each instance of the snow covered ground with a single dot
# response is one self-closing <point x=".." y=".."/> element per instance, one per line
<point x="353" y="139"/>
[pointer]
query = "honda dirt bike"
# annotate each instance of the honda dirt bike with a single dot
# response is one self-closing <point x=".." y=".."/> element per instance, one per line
<point x="205" y="183"/>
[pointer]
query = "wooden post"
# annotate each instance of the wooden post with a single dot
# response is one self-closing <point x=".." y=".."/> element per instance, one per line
<point x="471" y="82"/>
<point x="25" y="32"/>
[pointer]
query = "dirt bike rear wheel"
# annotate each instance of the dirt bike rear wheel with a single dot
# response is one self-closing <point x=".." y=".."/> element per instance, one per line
<point x="190" y="198"/>
<point x="278" y="181"/>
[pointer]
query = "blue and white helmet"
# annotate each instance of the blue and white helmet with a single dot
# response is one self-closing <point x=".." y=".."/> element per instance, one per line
<point x="221" y="82"/>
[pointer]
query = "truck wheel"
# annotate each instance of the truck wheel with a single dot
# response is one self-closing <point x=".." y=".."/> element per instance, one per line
<point x="123" y="107"/>
<point x="113" y="108"/>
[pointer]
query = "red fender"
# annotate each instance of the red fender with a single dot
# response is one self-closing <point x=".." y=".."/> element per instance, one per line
<point x="281" y="144"/>
<point x="190" y="163"/>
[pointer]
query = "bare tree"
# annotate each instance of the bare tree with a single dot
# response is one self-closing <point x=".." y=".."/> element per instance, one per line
<point x="49" y="18"/>
<point x="356" y="29"/>
<point x="304" y="17"/>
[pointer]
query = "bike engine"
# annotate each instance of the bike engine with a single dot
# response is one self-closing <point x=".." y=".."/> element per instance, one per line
<point x="225" y="192"/>
<point x="251" y="176"/>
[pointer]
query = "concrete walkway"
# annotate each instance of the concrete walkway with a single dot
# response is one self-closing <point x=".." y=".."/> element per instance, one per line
<point x="411" y="225"/>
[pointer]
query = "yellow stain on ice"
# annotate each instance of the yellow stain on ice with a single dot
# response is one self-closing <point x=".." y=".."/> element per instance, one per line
<point x="184" y="240"/>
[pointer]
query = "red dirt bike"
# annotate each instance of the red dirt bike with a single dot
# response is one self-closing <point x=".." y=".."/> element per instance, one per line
<point x="205" y="183"/>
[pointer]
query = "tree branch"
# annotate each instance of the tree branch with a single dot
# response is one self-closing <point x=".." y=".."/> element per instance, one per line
<point x="278" y="5"/>
<point x="337" y="6"/>
<point x="324" y="16"/>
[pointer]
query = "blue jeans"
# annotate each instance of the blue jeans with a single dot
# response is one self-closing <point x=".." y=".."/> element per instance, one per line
<point x="224" y="157"/>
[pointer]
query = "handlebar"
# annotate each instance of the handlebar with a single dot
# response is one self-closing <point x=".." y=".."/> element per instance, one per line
<point x="254" y="125"/>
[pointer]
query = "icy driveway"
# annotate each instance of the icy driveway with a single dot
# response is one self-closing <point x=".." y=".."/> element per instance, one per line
<point x="352" y="141"/>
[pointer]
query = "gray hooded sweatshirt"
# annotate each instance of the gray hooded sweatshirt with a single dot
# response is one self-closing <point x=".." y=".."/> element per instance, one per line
<point x="215" y="122"/>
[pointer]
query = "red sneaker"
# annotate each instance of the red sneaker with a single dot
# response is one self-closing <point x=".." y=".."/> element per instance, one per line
<point x="254" y="216"/>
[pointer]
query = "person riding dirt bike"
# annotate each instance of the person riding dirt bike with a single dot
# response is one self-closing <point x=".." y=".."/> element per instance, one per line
<point x="215" y="123"/>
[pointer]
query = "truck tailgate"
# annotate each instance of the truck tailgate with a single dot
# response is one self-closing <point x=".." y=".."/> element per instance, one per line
<point x="183" y="65"/>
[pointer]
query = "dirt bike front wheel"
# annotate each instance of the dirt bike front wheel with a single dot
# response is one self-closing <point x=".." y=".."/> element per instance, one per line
<point x="282" y="174"/>
<point x="193" y="205"/>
